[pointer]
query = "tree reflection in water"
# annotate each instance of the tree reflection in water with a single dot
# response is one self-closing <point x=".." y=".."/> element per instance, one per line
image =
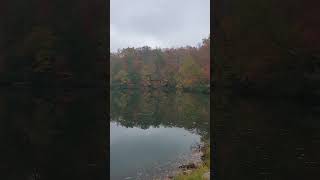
<point x="146" y="109"/>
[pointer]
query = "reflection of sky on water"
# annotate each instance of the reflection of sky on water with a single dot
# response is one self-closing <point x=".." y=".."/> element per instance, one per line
<point x="134" y="149"/>
<point x="154" y="131"/>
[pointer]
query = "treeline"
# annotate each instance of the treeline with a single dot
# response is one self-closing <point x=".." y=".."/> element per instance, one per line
<point x="186" y="68"/>
<point x="46" y="42"/>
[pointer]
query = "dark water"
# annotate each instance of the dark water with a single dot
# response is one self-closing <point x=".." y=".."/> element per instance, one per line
<point x="49" y="134"/>
<point x="264" y="138"/>
<point x="152" y="132"/>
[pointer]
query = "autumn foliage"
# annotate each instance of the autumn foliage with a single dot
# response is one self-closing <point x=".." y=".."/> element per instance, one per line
<point x="185" y="68"/>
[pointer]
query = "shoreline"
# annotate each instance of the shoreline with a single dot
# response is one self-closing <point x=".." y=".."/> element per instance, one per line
<point x="196" y="169"/>
<point x="199" y="171"/>
<point x="207" y="91"/>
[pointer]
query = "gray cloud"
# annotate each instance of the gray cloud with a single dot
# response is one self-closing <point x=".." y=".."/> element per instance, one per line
<point x="158" y="23"/>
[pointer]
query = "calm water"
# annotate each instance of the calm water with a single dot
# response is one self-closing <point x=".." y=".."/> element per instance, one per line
<point x="152" y="132"/>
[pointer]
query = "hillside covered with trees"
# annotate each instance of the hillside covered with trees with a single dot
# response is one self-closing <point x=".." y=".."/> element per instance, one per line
<point x="185" y="68"/>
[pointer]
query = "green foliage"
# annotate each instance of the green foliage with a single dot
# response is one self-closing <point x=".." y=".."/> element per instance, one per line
<point x="122" y="77"/>
<point x="195" y="175"/>
<point x="189" y="73"/>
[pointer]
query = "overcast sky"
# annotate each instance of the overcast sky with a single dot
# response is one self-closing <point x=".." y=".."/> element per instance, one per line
<point x="158" y="23"/>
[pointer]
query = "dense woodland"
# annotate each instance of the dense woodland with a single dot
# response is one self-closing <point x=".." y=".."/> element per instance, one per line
<point x="186" y="68"/>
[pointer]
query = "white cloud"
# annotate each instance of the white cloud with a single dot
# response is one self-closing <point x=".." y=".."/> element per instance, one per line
<point x="158" y="23"/>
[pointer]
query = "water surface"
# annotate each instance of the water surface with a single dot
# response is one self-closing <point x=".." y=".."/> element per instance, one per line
<point x="151" y="133"/>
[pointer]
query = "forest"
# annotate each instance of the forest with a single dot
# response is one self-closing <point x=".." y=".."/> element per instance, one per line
<point x="184" y="68"/>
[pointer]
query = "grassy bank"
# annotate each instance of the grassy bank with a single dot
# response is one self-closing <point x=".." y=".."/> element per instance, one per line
<point x="198" y="172"/>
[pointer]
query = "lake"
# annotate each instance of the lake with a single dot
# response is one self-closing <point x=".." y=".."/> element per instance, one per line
<point x="152" y="133"/>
